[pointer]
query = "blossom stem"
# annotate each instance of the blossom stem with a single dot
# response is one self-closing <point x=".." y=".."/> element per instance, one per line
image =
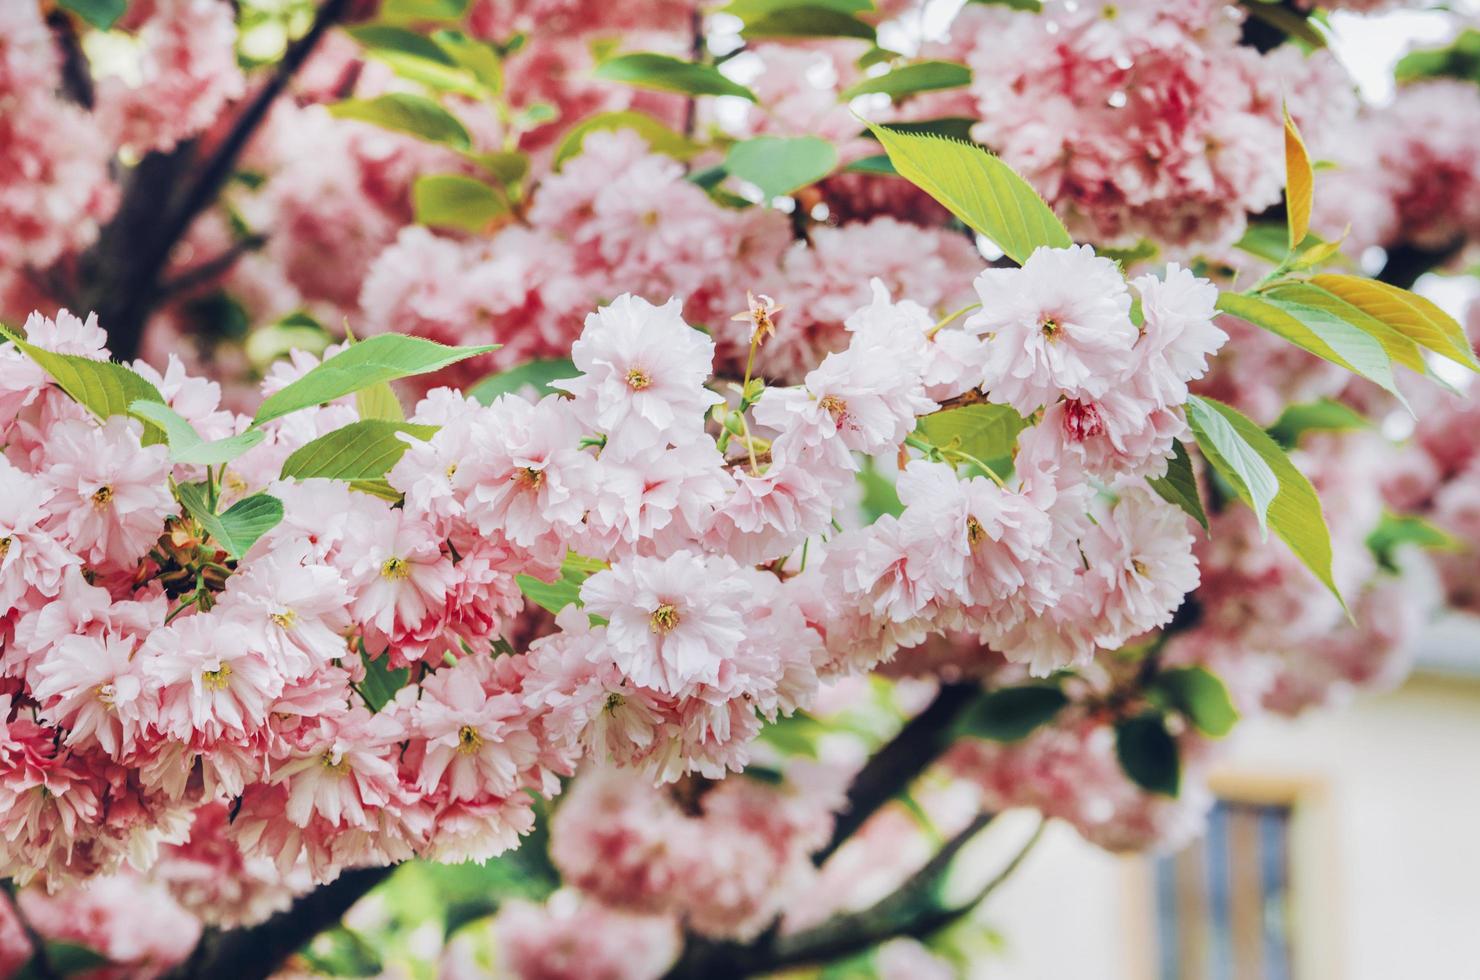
<point x="951" y="317"/>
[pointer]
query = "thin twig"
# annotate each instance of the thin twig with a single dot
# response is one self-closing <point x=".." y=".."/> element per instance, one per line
<point x="218" y="265"/>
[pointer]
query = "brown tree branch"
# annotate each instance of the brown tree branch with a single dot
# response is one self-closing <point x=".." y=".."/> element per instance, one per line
<point x="922" y="740"/>
<point x="165" y="194"/>
<point x="257" y="952"/>
<point x="915" y="909"/>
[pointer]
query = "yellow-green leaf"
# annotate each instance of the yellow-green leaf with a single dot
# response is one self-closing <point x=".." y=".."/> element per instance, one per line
<point x="1300" y="182"/>
<point x="455" y="201"/>
<point x="404" y="112"/>
<point x="976" y="187"/>
<point x="1408" y="313"/>
<point x="1316" y="329"/>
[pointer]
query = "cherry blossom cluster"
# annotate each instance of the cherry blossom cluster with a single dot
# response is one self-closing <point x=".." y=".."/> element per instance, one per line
<point x="151" y="674"/>
<point x="1143" y="119"/>
<point x="1407" y="173"/>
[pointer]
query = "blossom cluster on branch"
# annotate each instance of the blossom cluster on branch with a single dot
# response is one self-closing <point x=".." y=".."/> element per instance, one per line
<point x="726" y="405"/>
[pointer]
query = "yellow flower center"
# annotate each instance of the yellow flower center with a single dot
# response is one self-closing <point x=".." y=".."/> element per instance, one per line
<point x="1050" y="327"/>
<point x="287" y="619"/>
<point x="613" y="702"/>
<point x="834" y="406"/>
<point x="218" y="679"/>
<point x="395" y="569"/>
<point x="975" y="533"/>
<point x="105" y="693"/>
<point x="530" y="477"/>
<point x="665" y="618"/>
<point x="334" y="762"/>
<point x="102" y="497"/>
<point x="1139" y="567"/>
<point x="468" y="740"/>
<point x="4" y="547"/>
<point x="638" y="379"/>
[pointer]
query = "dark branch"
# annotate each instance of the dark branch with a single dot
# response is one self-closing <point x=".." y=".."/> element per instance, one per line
<point x="914" y="909"/>
<point x="77" y="82"/>
<point x="165" y="194"/>
<point x="923" y="740"/>
<point x="258" y="952"/>
<point x="1405" y="263"/>
<point x="39" y="965"/>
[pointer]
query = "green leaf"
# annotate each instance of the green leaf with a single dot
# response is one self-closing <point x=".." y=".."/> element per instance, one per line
<point x="1179" y="486"/>
<point x="876" y="164"/>
<point x="978" y="188"/>
<point x="1201" y="697"/>
<point x="1394" y="531"/>
<point x="1459" y="60"/>
<point x="1230" y="454"/>
<point x="780" y="166"/>
<point x="105" y="388"/>
<point x="1010" y="714"/>
<point x="1318" y="331"/>
<point x="65" y="959"/>
<point x="455" y="201"/>
<point x="420" y="59"/>
<point x="879" y="495"/>
<point x="748" y="10"/>
<point x="1032" y="6"/>
<point x="101" y="14"/>
<point x="186" y="445"/>
<point x="924" y="76"/>
<point x="364" y="450"/>
<point x="1148" y="754"/>
<point x="379" y="401"/>
<point x="381" y="683"/>
<point x="659" y="138"/>
<point x="537" y="374"/>
<point x="555" y="596"/>
<point x="1295" y="513"/>
<point x="404" y="112"/>
<point x="342" y="952"/>
<point x="384" y="357"/>
<point x="419" y="11"/>
<point x="241" y="525"/>
<point x="389" y="38"/>
<point x="668" y="74"/>
<point x="1324" y="415"/>
<point x="1410" y="314"/>
<point x="1265" y="240"/>
<point x="476" y="57"/>
<point x="807" y="21"/>
<point x="986" y="432"/>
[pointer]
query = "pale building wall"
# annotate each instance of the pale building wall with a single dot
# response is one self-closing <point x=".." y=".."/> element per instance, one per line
<point x="1387" y="878"/>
